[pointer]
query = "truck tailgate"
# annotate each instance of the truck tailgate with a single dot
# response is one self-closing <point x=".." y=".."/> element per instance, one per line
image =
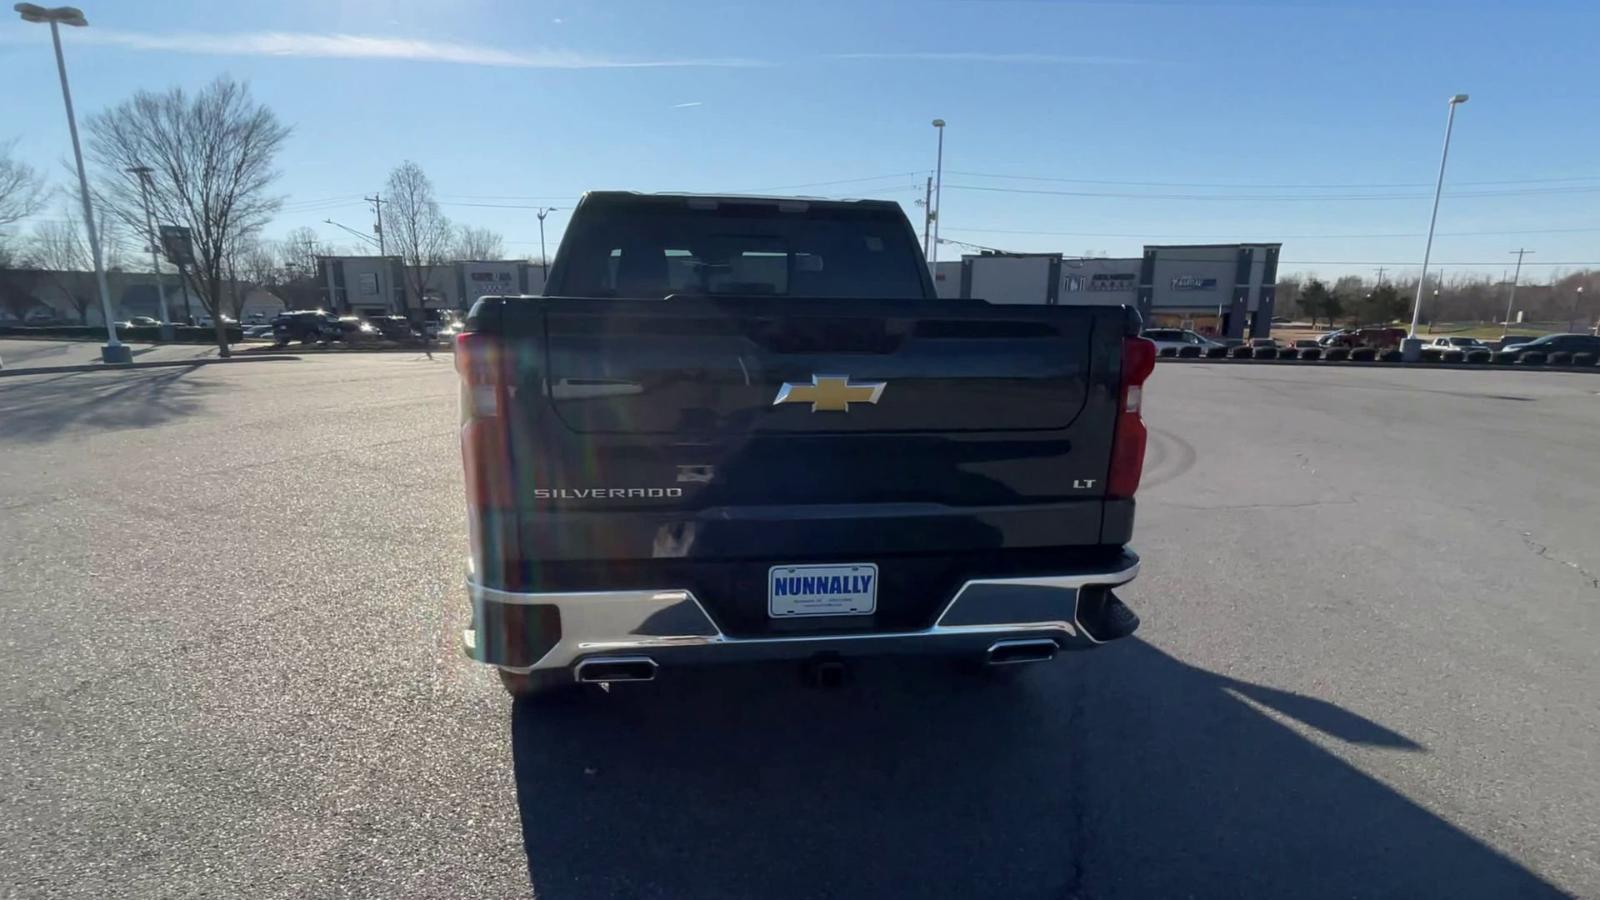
<point x="644" y="435"/>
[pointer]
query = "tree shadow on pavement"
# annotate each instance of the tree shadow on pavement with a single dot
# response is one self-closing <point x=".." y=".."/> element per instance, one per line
<point x="36" y="410"/>
<point x="1118" y="773"/>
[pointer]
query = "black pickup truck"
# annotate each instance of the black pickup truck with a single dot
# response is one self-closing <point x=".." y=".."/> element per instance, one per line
<point x="744" y="428"/>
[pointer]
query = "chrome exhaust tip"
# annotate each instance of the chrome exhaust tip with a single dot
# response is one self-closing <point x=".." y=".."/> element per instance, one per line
<point x="1016" y="652"/>
<point x="615" y="668"/>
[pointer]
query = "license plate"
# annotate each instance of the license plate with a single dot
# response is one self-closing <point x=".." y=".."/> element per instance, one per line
<point x="844" y="590"/>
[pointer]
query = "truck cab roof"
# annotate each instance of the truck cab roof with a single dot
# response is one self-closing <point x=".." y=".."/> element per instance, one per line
<point x="708" y="200"/>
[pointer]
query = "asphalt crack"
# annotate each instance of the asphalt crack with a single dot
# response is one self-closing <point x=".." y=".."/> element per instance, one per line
<point x="1543" y="551"/>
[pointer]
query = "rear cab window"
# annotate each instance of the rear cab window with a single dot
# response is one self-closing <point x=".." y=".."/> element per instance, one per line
<point x="648" y="248"/>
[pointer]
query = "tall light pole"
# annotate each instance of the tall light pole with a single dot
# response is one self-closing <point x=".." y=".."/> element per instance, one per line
<point x="544" y="261"/>
<point x="114" y="351"/>
<point x="1413" y="346"/>
<point x="143" y="174"/>
<point x="1511" y="300"/>
<point x="938" y="194"/>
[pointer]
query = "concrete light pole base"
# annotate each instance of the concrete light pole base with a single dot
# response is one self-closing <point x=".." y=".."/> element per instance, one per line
<point x="1411" y="349"/>
<point x="116" y="353"/>
<point x="167" y="332"/>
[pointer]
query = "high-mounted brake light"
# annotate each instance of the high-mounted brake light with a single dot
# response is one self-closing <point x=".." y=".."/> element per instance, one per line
<point x="1127" y="445"/>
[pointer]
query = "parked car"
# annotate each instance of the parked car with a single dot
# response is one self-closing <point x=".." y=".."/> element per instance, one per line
<point x="393" y="328"/>
<point x="144" y="322"/>
<point x="308" y="326"/>
<point x="1176" y="338"/>
<point x="1379" y="337"/>
<point x="1266" y="343"/>
<point x="1512" y="340"/>
<point x="633" y="566"/>
<point x="1456" y="342"/>
<point x="1307" y="344"/>
<point x="356" y="330"/>
<point x="1557" y="343"/>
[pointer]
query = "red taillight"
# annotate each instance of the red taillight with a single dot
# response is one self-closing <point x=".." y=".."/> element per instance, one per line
<point x="485" y="455"/>
<point x="1127" y="447"/>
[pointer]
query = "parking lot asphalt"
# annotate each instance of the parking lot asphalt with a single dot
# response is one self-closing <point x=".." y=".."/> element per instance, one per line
<point x="29" y="353"/>
<point x="1367" y="669"/>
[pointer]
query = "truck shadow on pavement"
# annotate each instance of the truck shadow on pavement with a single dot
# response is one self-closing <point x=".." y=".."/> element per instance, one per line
<point x="37" y="409"/>
<point x="1122" y="772"/>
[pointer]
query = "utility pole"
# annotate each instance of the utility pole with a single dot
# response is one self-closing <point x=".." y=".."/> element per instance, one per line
<point x="1511" y="300"/>
<point x="383" y="263"/>
<point x="1380" y="276"/>
<point x="377" y="219"/>
<point x="927" y="216"/>
<point x="544" y="261"/>
<point x="143" y="174"/>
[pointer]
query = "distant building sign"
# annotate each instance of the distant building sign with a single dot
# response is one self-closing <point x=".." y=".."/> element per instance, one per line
<point x="1193" y="283"/>
<point x="368" y="282"/>
<point x="1111" y="281"/>
<point x="177" y="245"/>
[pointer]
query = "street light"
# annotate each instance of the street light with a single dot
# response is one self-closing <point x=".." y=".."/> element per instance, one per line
<point x="143" y="174"/>
<point x="1413" y="346"/>
<point x="113" y="351"/>
<point x="938" y="193"/>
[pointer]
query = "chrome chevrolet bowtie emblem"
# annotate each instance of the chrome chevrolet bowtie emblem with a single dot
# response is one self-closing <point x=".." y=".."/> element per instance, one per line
<point x="829" y="393"/>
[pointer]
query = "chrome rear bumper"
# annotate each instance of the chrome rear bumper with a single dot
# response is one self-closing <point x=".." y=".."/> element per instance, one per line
<point x="525" y="632"/>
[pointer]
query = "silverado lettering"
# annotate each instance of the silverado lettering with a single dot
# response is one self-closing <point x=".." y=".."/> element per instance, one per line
<point x="604" y="493"/>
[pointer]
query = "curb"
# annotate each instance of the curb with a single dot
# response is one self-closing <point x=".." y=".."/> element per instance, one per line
<point x="163" y="364"/>
<point x="1378" y="364"/>
<point x="335" y="351"/>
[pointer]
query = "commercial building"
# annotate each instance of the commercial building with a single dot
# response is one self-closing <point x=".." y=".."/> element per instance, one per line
<point x="47" y="296"/>
<point x="380" y="286"/>
<point x="1220" y="289"/>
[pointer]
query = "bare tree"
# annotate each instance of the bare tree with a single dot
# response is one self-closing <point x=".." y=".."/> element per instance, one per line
<point x="57" y="247"/>
<point x="261" y="266"/>
<point x="22" y="191"/>
<point x="478" y="243"/>
<point x="211" y="156"/>
<point x="299" y="250"/>
<point x="414" y="227"/>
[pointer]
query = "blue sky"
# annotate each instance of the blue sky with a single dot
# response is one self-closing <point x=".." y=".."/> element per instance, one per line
<point x="1159" y="122"/>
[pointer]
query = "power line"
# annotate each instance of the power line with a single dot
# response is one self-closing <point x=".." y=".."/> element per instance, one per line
<point x="567" y="197"/>
<point x="497" y="205"/>
<point x="1300" y="198"/>
<point x="313" y="200"/>
<point x="1265" y="185"/>
<point x="1364" y="234"/>
<point x="1387" y="262"/>
<point x="785" y="187"/>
